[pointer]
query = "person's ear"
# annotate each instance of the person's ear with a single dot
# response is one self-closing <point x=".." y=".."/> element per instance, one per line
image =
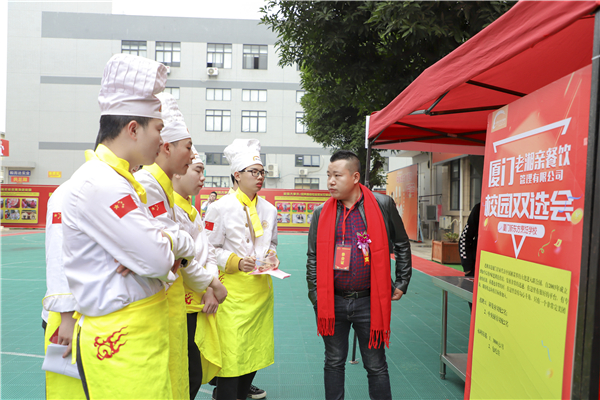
<point x="167" y="147"/>
<point x="237" y="176"/>
<point x="132" y="129"/>
<point x="356" y="177"/>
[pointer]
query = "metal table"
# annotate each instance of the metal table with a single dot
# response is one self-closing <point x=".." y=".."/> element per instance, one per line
<point x="463" y="288"/>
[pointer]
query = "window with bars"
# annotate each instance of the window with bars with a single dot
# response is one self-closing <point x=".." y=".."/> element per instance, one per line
<point x="217" y="181"/>
<point x="218" y="55"/>
<point x="218" y="121"/>
<point x="475" y="191"/>
<point x="169" y="53"/>
<point x="255" y="56"/>
<point x="299" y="95"/>
<point x="174" y="91"/>
<point x="300" y="127"/>
<point x="254" y="95"/>
<point x="303" y="160"/>
<point x="254" y="121"/>
<point x="306" y="183"/>
<point x="135" y="47"/>
<point x="218" y="94"/>
<point x="455" y="185"/>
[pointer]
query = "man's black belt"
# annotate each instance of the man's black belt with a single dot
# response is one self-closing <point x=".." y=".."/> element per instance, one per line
<point x="351" y="294"/>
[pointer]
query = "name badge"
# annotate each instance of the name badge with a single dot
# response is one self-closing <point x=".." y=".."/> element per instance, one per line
<point x="342" y="258"/>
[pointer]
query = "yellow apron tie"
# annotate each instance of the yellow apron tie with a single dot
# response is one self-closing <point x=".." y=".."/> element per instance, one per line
<point x="104" y="154"/>
<point x="186" y="205"/>
<point x="254" y="218"/>
<point x="163" y="180"/>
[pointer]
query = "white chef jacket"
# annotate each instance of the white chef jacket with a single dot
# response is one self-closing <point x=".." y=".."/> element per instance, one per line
<point x="227" y="226"/>
<point x="156" y="196"/>
<point x="97" y="240"/>
<point x="58" y="294"/>
<point x="205" y="252"/>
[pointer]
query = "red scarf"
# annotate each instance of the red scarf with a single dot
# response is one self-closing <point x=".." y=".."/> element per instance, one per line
<point x="381" y="295"/>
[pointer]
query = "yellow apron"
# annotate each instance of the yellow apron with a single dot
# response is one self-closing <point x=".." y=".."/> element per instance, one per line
<point x="245" y="324"/>
<point x="125" y="354"/>
<point x="59" y="386"/>
<point x="178" y="357"/>
<point x="206" y="338"/>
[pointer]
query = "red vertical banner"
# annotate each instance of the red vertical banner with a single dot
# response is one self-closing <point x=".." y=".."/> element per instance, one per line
<point x="402" y="186"/>
<point x="529" y="250"/>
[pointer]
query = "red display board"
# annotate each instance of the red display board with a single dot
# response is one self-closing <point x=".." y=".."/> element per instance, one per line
<point x="529" y="250"/>
<point x="294" y="207"/>
<point x="24" y="206"/>
<point x="402" y="186"/>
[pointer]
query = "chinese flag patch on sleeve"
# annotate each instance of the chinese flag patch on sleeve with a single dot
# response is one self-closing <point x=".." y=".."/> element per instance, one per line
<point x="123" y="206"/>
<point x="56" y="218"/>
<point x="209" y="225"/>
<point x="158" y="209"/>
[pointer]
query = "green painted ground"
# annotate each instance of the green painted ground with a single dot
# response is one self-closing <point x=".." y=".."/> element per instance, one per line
<point x="413" y="356"/>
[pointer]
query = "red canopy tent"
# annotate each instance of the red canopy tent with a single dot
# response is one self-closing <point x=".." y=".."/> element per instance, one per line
<point x="445" y="109"/>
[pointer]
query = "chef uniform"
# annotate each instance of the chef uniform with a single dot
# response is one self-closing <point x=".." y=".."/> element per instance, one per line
<point x="204" y="352"/>
<point x="122" y="349"/>
<point x="245" y="320"/>
<point x="59" y="298"/>
<point x="161" y="203"/>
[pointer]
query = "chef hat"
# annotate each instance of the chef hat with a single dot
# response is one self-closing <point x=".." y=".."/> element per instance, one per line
<point x="175" y="128"/>
<point x="242" y="153"/>
<point x="129" y="85"/>
<point x="197" y="159"/>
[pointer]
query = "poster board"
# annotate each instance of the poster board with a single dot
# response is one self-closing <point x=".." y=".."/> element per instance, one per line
<point x="402" y="186"/>
<point x="24" y="206"/>
<point x="529" y="247"/>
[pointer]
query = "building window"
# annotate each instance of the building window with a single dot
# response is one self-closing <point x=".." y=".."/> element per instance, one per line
<point x="217" y="181"/>
<point x="218" y="121"/>
<point x="300" y="127"/>
<point x="299" y="95"/>
<point x="306" y="183"/>
<point x="174" y="91"/>
<point x="307" y="160"/>
<point x="255" y="57"/>
<point x="218" y="94"/>
<point x="218" y="55"/>
<point x="475" y="195"/>
<point x="168" y="53"/>
<point x="135" y="47"/>
<point x="254" y="95"/>
<point x="455" y="185"/>
<point x="254" y="121"/>
<point x="216" y="159"/>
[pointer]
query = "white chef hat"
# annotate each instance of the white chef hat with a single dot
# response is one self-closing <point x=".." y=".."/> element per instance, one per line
<point x="129" y="85"/>
<point x="242" y="153"/>
<point x="197" y="159"/>
<point x="175" y="128"/>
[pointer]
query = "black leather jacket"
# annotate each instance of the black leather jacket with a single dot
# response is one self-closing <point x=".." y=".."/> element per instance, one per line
<point x="397" y="242"/>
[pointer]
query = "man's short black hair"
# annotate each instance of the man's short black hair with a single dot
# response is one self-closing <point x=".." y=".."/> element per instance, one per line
<point x="233" y="179"/>
<point x="212" y="193"/>
<point x="111" y="126"/>
<point x="352" y="158"/>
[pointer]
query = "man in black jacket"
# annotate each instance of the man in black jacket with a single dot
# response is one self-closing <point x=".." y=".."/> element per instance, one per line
<point x="354" y="296"/>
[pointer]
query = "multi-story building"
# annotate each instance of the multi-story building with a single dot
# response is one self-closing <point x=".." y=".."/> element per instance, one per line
<point x="224" y="73"/>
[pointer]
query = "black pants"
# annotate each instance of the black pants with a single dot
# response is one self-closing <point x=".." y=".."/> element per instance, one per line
<point x="234" y="388"/>
<point x="194" y="363"/>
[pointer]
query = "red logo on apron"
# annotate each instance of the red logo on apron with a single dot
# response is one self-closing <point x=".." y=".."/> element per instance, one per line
<point x="111" y="346"/>
<point x="188" y="298"/>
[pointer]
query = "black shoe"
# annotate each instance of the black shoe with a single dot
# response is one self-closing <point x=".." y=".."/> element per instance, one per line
<point x="214" y="395"/>
<point x="256" y="393"/>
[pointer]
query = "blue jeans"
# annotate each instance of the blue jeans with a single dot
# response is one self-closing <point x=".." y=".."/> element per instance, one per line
<point x="355" y="313"/>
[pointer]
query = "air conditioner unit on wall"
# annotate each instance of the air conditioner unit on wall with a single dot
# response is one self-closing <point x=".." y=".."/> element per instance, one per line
<point x="303" y="171"/>
<point x="212" y="71"/>
<point x="272" y="171"/>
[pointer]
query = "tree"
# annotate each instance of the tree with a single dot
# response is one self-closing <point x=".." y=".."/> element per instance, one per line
<point x="356" y="56"/>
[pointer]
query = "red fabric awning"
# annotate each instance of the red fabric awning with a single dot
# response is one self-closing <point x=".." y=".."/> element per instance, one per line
<point x="532" y="45"/>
